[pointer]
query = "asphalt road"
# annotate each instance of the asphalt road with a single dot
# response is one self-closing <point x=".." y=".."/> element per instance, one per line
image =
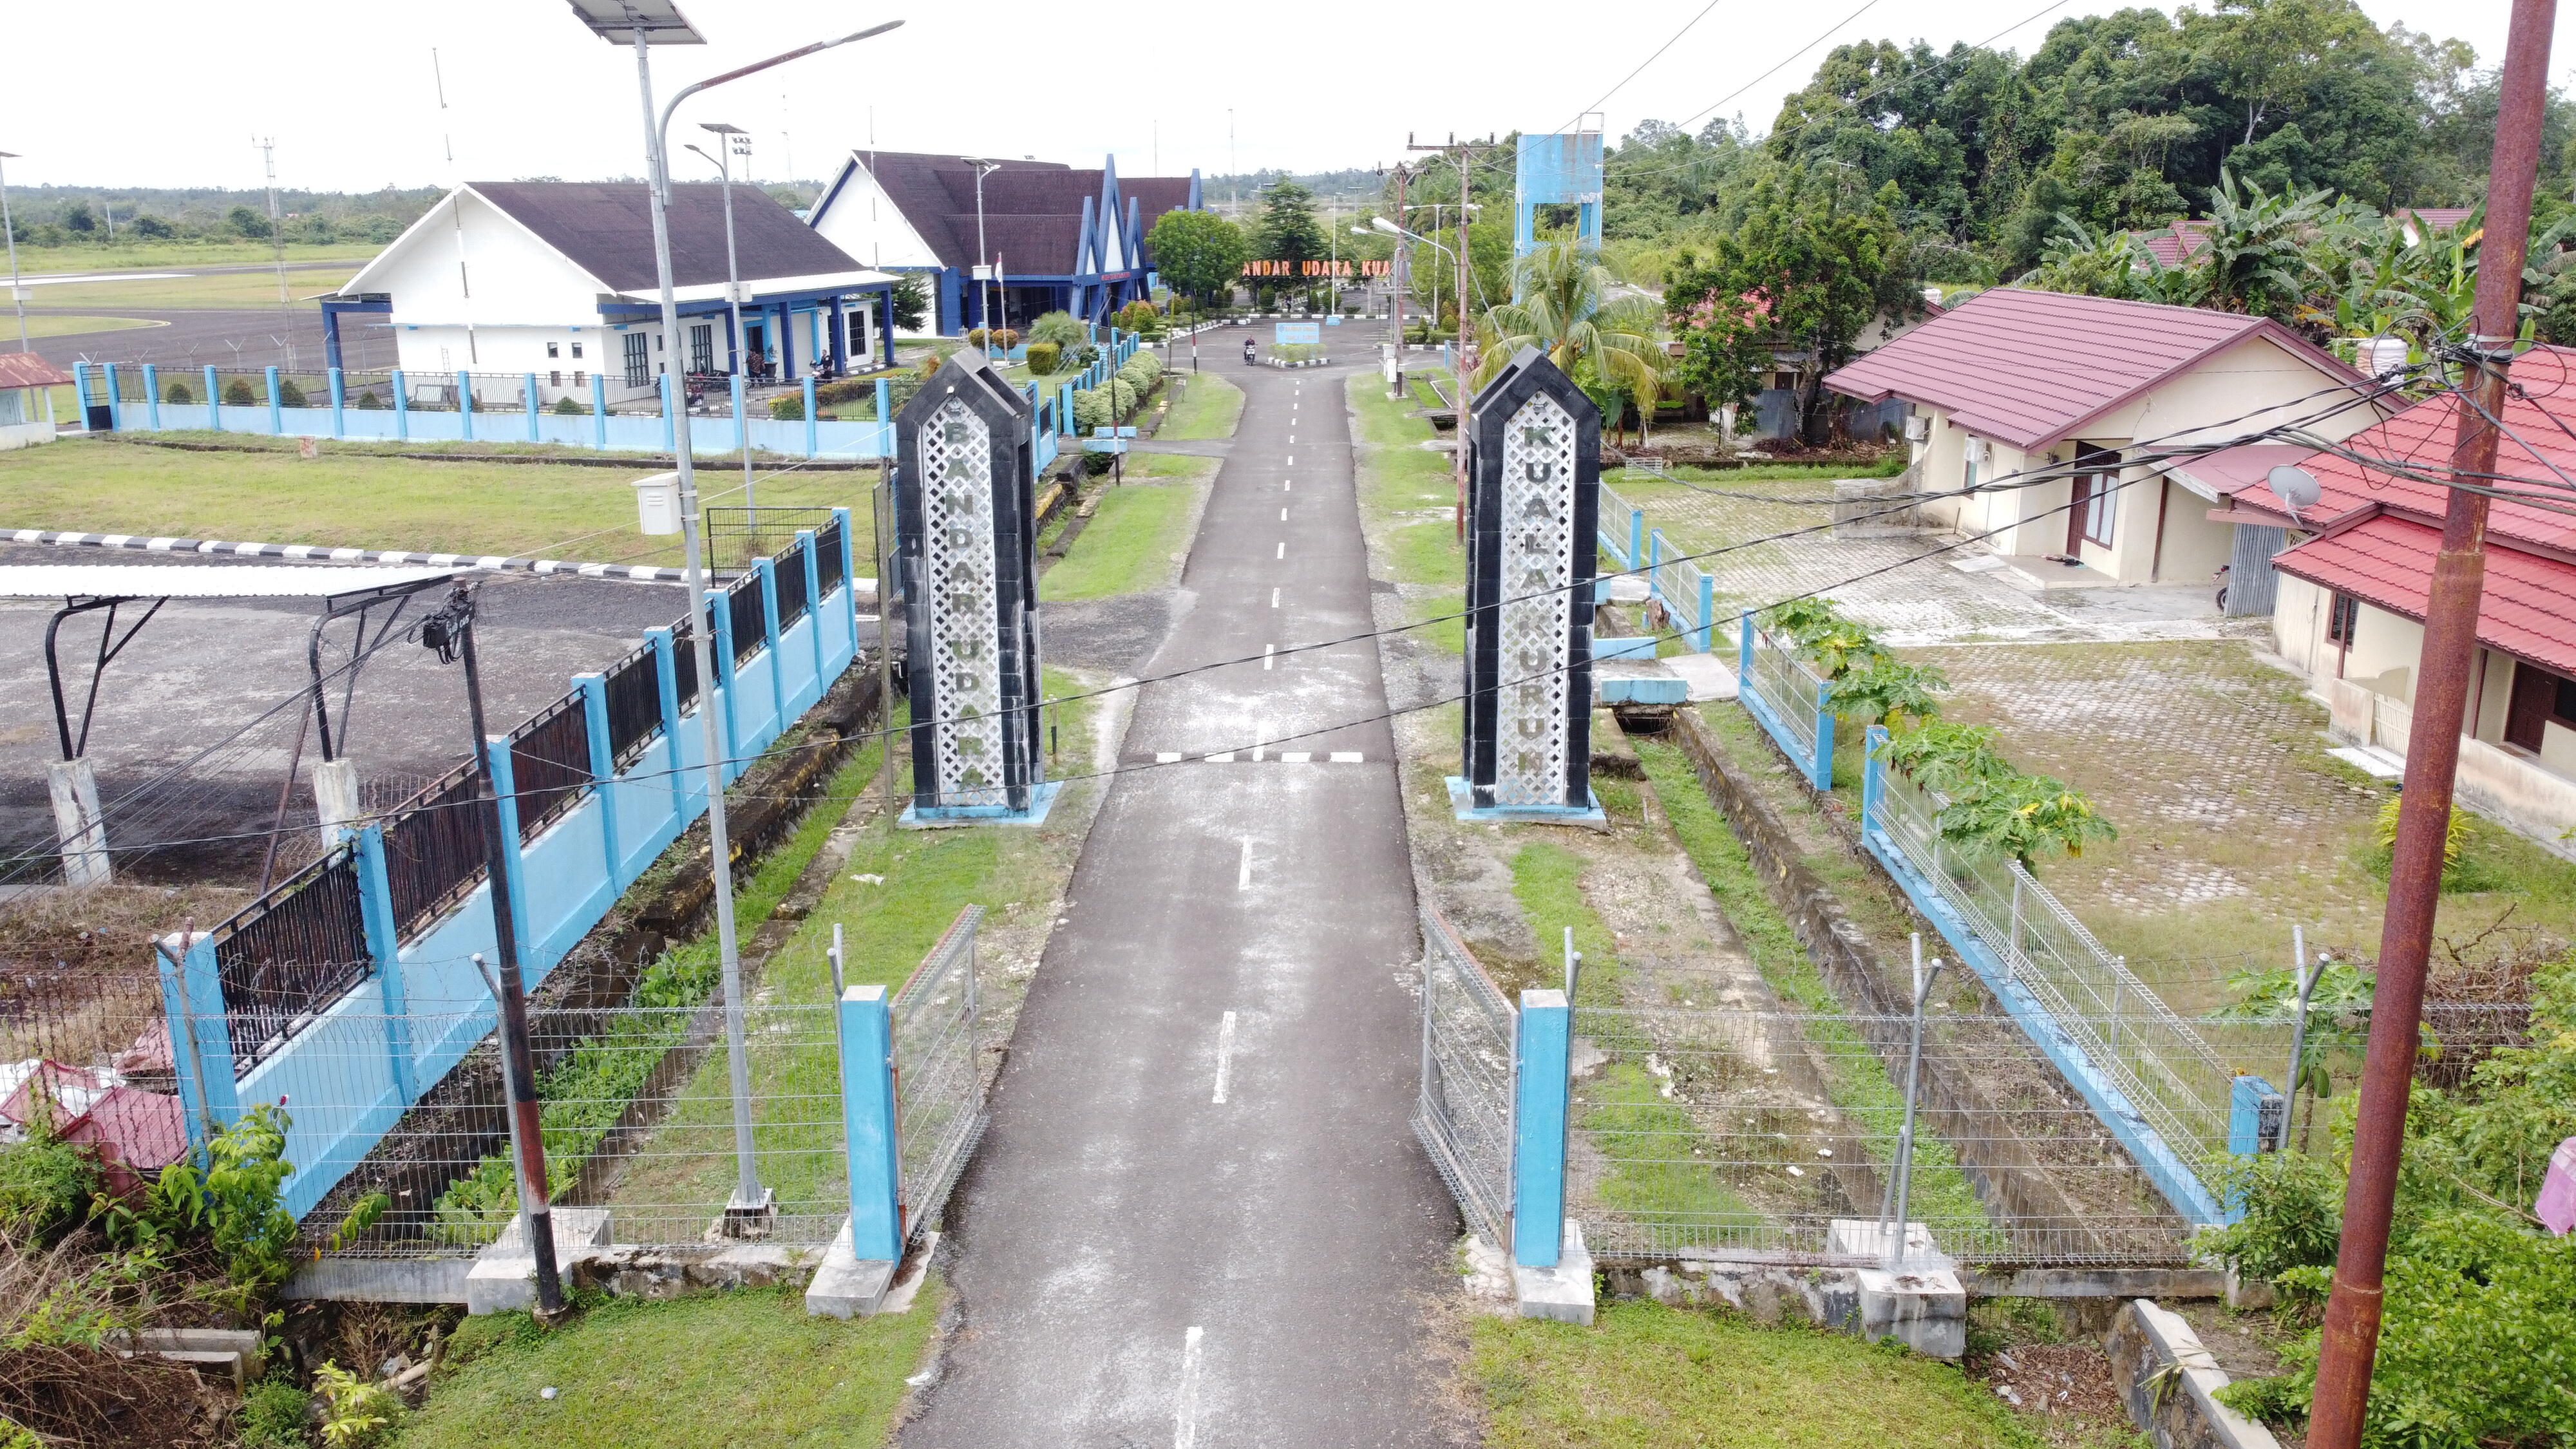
<point x="1200" y="1217"/>
<point x="198" y="337"/>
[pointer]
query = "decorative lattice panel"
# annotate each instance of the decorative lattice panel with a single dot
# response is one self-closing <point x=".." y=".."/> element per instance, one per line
<point x="959" y="587"/>
<point x="1530" y="725"/>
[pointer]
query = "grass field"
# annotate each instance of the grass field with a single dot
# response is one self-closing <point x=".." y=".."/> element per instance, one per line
<point x="1132" y="543"/>
<point x="1646" y="1375"/>
<point x="47" y="325"/>
<point x="1406" y="491"/>
<point x="1204" y="408"/>
<point x="747" y="1368"/>
<point x="216" y="289"/>
<point x="172" y="256"/>
<point x="352" y="500"/>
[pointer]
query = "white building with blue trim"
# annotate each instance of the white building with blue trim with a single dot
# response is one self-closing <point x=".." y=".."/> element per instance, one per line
<point x="557" y="279"/>
<point x="1058" y="239"/>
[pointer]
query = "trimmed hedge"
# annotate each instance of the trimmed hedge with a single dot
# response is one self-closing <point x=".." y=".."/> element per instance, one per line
<point x="1043" y="356"/>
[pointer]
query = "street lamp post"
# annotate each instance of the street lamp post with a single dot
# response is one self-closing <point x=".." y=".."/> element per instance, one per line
<point x="1459" y="381"/>
<point x="17" y="294"/>
<point x="983" y="254"/>
<point x="618" y="20"/>
<point x="737" y="142"/>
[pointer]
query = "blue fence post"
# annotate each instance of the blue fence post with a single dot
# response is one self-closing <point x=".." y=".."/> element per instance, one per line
<point x="805" y="550"/>
<point x="532" y="408"/>
<point x="1707" y="640"/>
<point x="1873" y="783"/>
<point x="276" y="406"/>
<point x="465" y="406"/>
<point x="1538" y="1128"/>
<point x="376" y="908"/>
<point x="666" y="662"/>
<point x="720" y="645"/>
<point x="1654" y="570"/>
<point x="885" y="417"/>
<point x="812" y="424"/>
<point x="496" y="752"/>
<point x="769" y="633"/>
<point x="670" y="430"/>
<point x="599" y="411"/>
<point x="1822" y="771"/>
<point x="867" y="1117"/>
<point x="201" y="1044"/>
<point x="603" y="769"/>
<point x="214" y="404"/>
<point x="1064" y="408"/>
<point x="152" y="397"/>
<point x="1636" y="535"/>
<point x="339" y="404"/>
<point x="80" y="389"/>
<point x="850" y="576"/>
<point x="2247" y="1132"/>
<point x="402" y="405"/>
<point x="1744" y="654"/>
<point x="115" y="404"/>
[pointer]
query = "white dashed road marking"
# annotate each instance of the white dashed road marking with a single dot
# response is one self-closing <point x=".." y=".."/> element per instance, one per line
<point x="1283" y="549"/>
<point x="1266" y="660"/>
<point x="1224" y="1054"/>
<point x="1243" y="867"/>
<point x="1185" y="1433"/>
<point x="1274" y="595"/>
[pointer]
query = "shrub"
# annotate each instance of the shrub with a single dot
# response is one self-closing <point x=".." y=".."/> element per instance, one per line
<point x="1890" y="691"/>
<point x="569" y="407"/>
<point x="1060" y="329"/>
<point x="368" y="399"/>
<point x="356" y="1412"/>
<point x="288" y="394"/>
<point x="239" y="395"/>
<point x="1006" y="339"/>
<point x="1994" y="809"/>
<point x="233" y="1206"/>
<point x="1091" y="409"/>
<point x="975" y="338"/>
<point x="177" y="392"/>
<point x="1043" y="356"/>
<point x="788" y="409"/>
<point x="273" y="1415"/>
<point x="45" y="1185"/>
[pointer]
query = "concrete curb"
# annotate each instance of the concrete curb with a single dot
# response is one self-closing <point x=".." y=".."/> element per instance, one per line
<point x="2170" y="1383"/>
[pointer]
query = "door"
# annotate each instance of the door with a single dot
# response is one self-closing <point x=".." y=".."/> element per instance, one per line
<point x="756" y="343"/>
<point x="2095" y="504"/>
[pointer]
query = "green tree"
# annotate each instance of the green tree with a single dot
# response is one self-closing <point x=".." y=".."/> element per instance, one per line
<point x="248" y="223"/>
<point x="1564" y="306"/>
<point x="76" y="217"/>
<point x="1198" y="253"/>
<point x="910" y="300"/>
<point x="1288" y="230"/>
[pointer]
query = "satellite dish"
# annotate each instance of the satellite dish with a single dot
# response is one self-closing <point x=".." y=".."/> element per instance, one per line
<point x="2296" y="487"/>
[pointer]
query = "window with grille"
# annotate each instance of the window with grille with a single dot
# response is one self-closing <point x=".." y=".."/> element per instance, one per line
<point x="2342" y="617"/>
<point x="702" y="348"/>
<point x="554" y="379"/>
<point x="639" y="369"/>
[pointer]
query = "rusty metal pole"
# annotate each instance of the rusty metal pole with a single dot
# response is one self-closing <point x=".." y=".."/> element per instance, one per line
<point x="2432" y="754"/>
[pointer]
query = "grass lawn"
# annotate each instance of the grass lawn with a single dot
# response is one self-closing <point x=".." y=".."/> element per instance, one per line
<point x="1203" y="407"/>
<point x="924" y="879"/>
<point x="355" y="500"/>
<point x="747" y="1367"/>
<point x="1129" y="546"/>
<point x="52" y="326"/>
<point x="1407" y="494"/>
<point x="229" y="290"/>
<point x="174" y="256"/>
<point x="1646" y="1375"/>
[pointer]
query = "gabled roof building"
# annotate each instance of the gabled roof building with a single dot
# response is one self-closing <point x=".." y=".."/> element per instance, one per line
<point x="1059" y="239"/>
<point x="557" y="278"/>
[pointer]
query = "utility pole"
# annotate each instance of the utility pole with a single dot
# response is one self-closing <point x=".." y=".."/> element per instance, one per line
<point x="277" y="244"/>
<point x="17" y="293"/>
<point x="1461" y="152"/>
<point x="1403" y="279"/>
<point x="2351" y="1338"/>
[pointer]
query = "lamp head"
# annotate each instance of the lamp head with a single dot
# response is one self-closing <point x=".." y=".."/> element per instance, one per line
<point x="1384" y="225"/>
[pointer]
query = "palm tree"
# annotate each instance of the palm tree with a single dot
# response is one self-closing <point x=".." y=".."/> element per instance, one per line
<point x="1566" y="305"/>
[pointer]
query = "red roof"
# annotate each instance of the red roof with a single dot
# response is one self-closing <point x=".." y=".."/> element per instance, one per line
<point x="2437" y="218"/>
<point x="2172" y="246"/>
<point x="26" y="369"/>
<point x="2528" y="608"/>
<point x="2029" y="368"/>
<point x="2537" y="422"/>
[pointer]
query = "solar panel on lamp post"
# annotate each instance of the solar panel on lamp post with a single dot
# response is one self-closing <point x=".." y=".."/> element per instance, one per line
<point x="646" y="23"/>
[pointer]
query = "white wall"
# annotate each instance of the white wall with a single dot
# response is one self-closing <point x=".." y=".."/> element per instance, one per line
<point x="864" y="222"/>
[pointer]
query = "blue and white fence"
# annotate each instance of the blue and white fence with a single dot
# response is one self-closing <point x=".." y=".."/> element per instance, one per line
<point x="1684" y="590"/>
<point x="349" y="992"/>
<point x="1793" y="703"/>
<point x="401" y="417"/>
<point x="1494" y="1096"/>
<point x="2160" y="1088"/>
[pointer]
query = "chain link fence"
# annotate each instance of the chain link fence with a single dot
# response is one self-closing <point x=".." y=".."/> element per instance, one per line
<point x="939" y="1085"/>
<point x="1464" y="1117"/>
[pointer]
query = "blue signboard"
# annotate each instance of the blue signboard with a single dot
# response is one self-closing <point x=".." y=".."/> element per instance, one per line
<point x="1104" y="445"/>
<point x="1113" y="432"/>
<point x="1293" y="334"/>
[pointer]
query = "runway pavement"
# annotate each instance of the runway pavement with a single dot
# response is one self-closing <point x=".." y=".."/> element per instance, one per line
<point x="1200" y="1217"/>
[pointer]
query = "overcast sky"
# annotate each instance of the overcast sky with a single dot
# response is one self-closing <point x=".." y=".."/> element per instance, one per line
<point x="160" y="93"/>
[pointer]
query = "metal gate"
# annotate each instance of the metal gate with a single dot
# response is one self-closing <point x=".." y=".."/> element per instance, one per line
<point x="1465" y="1115"/>
<point x="938" y="1080"/>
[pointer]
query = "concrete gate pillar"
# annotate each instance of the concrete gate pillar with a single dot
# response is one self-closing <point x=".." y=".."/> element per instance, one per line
<point x="77" y="822"/>
<point x="1534" y="461"/>
<point x="967" y="541"/>
<point x="335" y="800"/>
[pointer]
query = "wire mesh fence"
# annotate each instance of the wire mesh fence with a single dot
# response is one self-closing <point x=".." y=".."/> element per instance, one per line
<point x="737" y="535"/>
<point x="1464" y="1116"/>
<point x="1746" y="1134"/>
<point x="939" y="1086"/>
<point x="2165" y="1067"/>
<point x="1792" y="694"/>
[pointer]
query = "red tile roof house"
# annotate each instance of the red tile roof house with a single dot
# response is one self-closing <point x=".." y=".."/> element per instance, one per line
<point x="2012" y="382"/>
<point x="27" y="400"/>
<point x="2350" y="606"/>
